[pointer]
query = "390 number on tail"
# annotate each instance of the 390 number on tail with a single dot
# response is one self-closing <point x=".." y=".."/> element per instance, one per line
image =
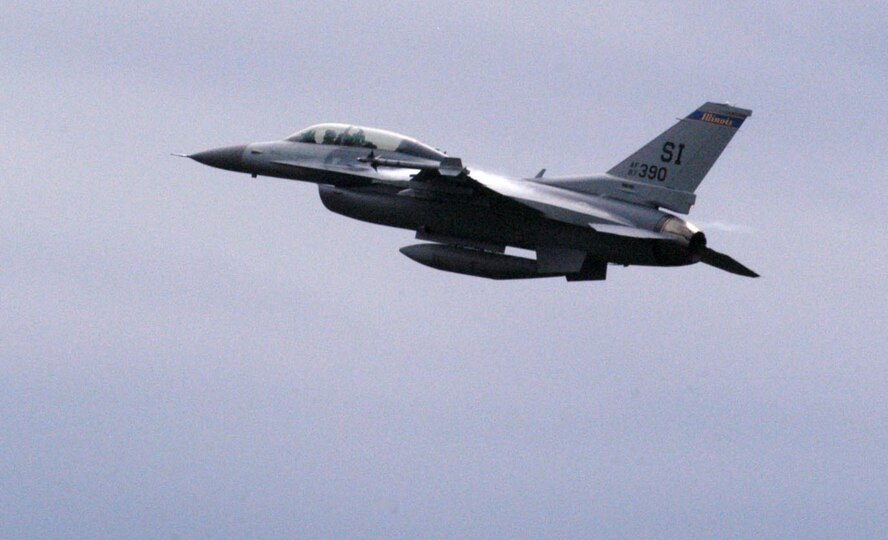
<point x="651" y="172"/>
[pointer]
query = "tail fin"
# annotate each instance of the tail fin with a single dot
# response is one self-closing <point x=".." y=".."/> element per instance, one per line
<point x="680" y="157"/>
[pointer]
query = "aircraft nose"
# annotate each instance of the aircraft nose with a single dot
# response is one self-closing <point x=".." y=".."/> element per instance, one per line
<point x="228" y="157"/>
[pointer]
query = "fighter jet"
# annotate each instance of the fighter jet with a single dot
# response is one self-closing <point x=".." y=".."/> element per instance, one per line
<point x="577" y="225"/>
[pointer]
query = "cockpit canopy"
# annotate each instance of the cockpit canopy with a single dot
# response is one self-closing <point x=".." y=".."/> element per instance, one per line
<point x="374" y="139"/>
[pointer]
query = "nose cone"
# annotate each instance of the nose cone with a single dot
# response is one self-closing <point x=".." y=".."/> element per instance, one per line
<point x="230" y="158"/>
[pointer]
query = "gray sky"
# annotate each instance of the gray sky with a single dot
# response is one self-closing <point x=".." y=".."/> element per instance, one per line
<point x="187" y="352"/>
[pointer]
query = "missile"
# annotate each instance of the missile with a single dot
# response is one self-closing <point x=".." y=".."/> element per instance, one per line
<point x="449" y="166"/>
<point x="474" y="262"/>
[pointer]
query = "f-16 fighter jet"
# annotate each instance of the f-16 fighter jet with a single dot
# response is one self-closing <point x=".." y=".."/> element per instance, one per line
<point x="577" y="225"/>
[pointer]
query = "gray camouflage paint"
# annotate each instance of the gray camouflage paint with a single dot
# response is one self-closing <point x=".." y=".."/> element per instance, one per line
<point x="577" y="225"/>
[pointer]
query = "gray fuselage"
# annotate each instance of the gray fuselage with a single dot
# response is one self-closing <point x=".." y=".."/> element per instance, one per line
<point x="467" y="216"/>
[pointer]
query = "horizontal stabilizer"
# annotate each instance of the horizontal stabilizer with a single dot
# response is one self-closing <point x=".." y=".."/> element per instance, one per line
<point x="726" y="263"/>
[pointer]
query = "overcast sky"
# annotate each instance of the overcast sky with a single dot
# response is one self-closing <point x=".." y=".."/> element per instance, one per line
<point x="188" y="352"/>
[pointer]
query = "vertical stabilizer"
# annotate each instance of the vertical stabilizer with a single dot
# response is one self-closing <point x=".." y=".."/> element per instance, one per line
<point x="680" y="158"/>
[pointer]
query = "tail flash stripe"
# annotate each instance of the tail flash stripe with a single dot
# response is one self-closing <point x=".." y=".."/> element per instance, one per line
<point x="719" y="119"/>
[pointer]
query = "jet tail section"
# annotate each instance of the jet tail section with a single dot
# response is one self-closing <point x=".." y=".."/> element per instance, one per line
<point x="680" y="157"/>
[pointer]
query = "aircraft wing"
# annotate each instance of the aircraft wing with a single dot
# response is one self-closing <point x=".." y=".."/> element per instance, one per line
<point x="565" y="206"/>
<point x="450" y="179"/>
